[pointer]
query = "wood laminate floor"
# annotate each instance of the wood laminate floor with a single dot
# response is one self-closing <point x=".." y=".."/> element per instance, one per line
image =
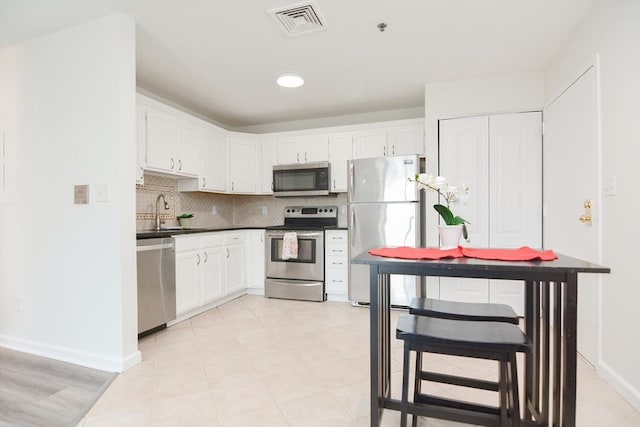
<point x="36" y="391"/>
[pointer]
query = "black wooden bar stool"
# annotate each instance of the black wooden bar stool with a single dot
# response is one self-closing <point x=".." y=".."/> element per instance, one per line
<point x="454" y="310"/>
<point x="490" y="340"/>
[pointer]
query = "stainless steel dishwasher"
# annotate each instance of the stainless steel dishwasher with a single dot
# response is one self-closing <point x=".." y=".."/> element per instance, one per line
<point x="156" y="283"/>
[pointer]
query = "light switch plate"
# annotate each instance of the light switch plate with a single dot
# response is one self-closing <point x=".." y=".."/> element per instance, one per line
<point x="81" y="194"/>
<point x="609" y="187"/>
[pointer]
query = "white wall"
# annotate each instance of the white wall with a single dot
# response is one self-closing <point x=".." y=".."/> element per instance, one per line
<point x="497" y="94"/>
<point x="323" y="122"/>
<point x="68" y="288"/>
<point x="612" y="30"/>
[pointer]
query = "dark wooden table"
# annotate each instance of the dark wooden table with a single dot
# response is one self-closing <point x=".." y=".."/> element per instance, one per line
<point x="550" y="376"/>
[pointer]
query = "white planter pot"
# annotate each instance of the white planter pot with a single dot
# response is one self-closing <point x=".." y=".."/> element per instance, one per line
<point x="450" y="236"/>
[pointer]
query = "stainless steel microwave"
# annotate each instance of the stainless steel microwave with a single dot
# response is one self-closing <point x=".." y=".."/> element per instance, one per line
<point x="307" y="179"/>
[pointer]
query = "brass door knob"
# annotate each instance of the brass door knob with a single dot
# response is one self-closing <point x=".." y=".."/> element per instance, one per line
<point x="586" y="219"/>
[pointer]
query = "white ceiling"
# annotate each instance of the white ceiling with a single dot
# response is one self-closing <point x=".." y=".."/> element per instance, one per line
<point x="220" y="58"/>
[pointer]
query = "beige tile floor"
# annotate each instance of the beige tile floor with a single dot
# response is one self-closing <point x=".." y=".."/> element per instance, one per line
<point x="278" y="363"/>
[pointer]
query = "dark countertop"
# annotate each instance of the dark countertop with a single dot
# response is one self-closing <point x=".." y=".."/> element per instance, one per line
<point x="153" y="234"/>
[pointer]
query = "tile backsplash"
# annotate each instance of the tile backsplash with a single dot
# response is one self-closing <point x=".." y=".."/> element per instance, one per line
<point x="230" y="210"/>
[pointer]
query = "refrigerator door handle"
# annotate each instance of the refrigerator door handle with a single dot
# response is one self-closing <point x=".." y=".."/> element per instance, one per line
<point x="353" y="226"/>
<point x="352" y="188"/>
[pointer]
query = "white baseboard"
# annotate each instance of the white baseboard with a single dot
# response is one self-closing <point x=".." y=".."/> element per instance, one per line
<point x="337" y="298"/>
<point x="69" y="355"/>
<point x="619" y="384"/>
<point x="199" y="310"/>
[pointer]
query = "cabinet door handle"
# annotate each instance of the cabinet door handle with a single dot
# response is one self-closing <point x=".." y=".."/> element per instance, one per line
<point x="173" y="163"/>
<point x="227" y="253"/>
<point x="384" y="151"/>
<point x="297" y="157"/>
<point x="272" y="187"/>
<point x="231" y="186"/>
<point x="179" y="164"/>
<point x="334" y="184"/>
<point x="305" y="156"/>
<point x="393" y="149"/>
<point x="198" y="257"/>
<point x="205" y="256"/>
<point x="141" y="172"/>
<point x="204" y="182"/>
<point x="336" y="250"/>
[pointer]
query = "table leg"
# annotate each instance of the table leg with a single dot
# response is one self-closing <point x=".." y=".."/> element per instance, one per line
<point x="375" y="348"/>
<point x="569" y="350"/>
<point x="546" y="326"/>
<point x="529" y="328"/>
<point x="557" y="351"/>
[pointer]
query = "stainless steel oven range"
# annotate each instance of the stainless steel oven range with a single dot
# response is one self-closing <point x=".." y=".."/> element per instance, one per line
<point x="295" y="253"/>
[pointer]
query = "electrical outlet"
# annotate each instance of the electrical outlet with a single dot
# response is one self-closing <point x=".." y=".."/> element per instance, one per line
<point x="343" y="209"/>
<point x="102" y="193"/>
<point x="214" y="210"/>
<point x="265" y="211"/>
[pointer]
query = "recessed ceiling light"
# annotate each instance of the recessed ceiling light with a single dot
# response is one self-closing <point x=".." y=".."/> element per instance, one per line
<point x="290" y="80"/>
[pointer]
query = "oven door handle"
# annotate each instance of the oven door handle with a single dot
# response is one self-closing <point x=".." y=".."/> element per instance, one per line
<point x="299" y="234"/>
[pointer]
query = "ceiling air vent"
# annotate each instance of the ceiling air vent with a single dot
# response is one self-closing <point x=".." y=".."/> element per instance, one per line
<point x="301" y="18"/>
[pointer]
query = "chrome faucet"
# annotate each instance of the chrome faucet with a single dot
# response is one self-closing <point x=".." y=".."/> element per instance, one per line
<point x="166" y="207"/>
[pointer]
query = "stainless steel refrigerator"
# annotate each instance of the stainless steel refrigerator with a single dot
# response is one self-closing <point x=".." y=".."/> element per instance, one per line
<point x="385" y="209"/>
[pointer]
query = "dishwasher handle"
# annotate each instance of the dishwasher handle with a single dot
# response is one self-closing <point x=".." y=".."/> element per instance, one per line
<point x="146" y="248"/>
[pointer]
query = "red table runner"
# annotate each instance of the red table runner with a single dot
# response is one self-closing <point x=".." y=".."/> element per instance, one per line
<point x="524" y="253"/>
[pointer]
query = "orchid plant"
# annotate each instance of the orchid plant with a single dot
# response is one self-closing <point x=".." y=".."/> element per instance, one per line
<point x="450" y="193"/>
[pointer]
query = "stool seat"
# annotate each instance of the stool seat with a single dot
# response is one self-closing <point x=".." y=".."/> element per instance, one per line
<point x="490" y="340"/>
<point x="486" y="312"/>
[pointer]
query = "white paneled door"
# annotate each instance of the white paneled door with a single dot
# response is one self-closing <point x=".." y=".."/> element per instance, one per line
<point x="571" y="178"/>
<point x="464" y="160"/>
<point x="500" y="158"/>
<point x="515" y="195"/>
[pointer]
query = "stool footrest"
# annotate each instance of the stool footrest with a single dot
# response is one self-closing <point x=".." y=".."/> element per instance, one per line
<point x="459" y="381"/>
<point x="426" y="399"/>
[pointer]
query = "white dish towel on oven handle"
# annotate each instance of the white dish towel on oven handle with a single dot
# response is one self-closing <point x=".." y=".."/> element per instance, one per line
<point x="290" y="245"/>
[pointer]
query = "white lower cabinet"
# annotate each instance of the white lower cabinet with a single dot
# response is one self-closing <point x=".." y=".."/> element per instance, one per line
<point x="235" y="262"/>
<point x="212" y="269"/>
<point x="336" y="265"/>
<point x="216" y="265"/>
<point x="255" y="261"/>
<point x="188" y="261"/>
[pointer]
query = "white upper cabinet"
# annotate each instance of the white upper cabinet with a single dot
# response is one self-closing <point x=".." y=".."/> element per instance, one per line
<point x="161" y="140"/>
<point x="370" y="143"/>
<point x="406" y="140"/>
<point x="398" y="140"/>
<point x="265" y="183"/>
<point x="213" y="169"/>
<point x="188" y="148"/>
<point x="171" y="141"/>
<point x="302" y="149"/>
<point x="141" y="130"/>
<point x="340" y="146"/>
<point x="243" y="163"/>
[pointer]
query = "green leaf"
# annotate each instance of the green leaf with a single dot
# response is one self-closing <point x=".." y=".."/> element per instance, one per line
<point x="445" y="213"/>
